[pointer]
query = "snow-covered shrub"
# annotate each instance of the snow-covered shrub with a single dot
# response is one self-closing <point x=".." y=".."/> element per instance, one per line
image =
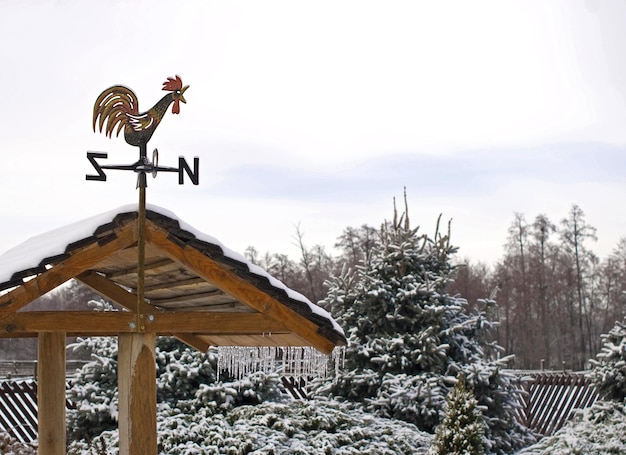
<point x="93" y="389"/>
<point x="9" y="446"/>
<point x="181" y="371"/>
<point x="408" y="339"/>
<point x="609" y="370"/>
<point x="186" y="379"/>
<point x="291" y="428"/>
<point x="462" y="429"/>
<point x="599" y="429"/>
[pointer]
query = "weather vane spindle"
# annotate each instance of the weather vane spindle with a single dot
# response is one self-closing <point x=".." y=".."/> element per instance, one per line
<point x="117" y="108"/>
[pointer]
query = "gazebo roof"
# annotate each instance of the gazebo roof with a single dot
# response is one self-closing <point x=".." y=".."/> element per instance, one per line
<point x="195" y="288"/>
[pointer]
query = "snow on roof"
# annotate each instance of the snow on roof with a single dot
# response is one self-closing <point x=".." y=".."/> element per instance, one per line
<point x="30" y="254"/>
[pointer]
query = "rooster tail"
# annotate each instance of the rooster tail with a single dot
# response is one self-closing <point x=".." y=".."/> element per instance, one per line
<point x="112" y="106"/>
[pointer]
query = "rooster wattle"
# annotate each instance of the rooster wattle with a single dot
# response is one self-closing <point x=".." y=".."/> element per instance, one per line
<point x="118" y="107"/>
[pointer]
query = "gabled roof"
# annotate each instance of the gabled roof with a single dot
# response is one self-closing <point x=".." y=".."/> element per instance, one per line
<point x="195" y="288"/>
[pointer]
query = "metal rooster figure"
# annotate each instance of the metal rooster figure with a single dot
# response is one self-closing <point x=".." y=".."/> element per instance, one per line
<point x="117" y="108"/>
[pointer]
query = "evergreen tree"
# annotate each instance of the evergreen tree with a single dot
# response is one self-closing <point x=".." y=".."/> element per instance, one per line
<point x="408" y="339"/>
<point x="186" y="381"/>
<point x="609" y="372"/>
<point x="462" y="430"/>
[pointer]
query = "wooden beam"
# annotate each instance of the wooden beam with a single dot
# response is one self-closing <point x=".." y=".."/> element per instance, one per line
<point x="193" y="341"/>
<point x="51" y="394"/>
<point x="137" y="393"/>
<point x="231" y="284"/>
<point x="113" y="322"/>
<point x="214" y="323"/>
<point x="268" y="339"/>
<point x="109" y="289"/>
<point x="77" y="263"/>
<point x="121" y="296"/>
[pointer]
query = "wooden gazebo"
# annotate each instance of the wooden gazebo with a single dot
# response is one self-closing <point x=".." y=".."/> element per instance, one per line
<point x="194" y="289"/>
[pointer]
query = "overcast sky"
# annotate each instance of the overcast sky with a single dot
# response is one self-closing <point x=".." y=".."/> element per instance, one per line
<point x="319" y="112"/>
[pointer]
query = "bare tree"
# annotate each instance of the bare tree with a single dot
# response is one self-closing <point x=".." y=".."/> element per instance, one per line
<point x="575" y="231"/>
<point x="316" y="264"/>
<point x="541" y="230"/>
<point x="356" y="244"/>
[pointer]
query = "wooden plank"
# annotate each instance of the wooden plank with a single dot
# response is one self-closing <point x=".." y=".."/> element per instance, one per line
<point x="137" y="393"/>
<point x="214" y="323"/>
<point x="25" y="322"/>
<point x="238" y="287"/>
<point x="187" y="297"/>
<point x="77" y="263"/>
<point x="114" y="322"/>
<point x="51" y="394"/>
<point x="273" y="339"/>
<point x="133" y="270"/>
<point x="174" y="284"/>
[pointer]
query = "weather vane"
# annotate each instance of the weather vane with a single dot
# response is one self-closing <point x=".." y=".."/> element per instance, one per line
<point x="118" y="108"/>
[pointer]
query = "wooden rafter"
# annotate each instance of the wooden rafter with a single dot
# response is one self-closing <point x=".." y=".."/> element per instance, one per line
<point x="237" y="287"/>
<point x="78" y="262"/>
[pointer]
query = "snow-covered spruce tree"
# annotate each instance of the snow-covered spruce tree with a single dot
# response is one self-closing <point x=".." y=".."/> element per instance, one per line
<point x="93" y="389"/>
<point x="186" y="381"/>
<point x="609" y="370"/>
<point x="462" y="429"/>
<point x="408" y="339"/>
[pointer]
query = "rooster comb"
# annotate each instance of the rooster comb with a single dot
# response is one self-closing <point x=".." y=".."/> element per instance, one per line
<point x="173" y="84"/>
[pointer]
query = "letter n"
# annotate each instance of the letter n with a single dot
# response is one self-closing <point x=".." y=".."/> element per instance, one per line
<point x="184" y="167"/>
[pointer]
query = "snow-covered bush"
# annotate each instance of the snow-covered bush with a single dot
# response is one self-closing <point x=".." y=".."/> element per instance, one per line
<point x="609" y="370"/>
<point x="93" y="389"/>
<point x="186" y="379"/>
<point x="462" y="429"/>
<point x="408" y="339"/>
<point x="292" y="428"/>
<point x="9" y="446"/>
<point x="599" y="429"/>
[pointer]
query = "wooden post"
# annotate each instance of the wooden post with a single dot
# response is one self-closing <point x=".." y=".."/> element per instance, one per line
<point x="51" y="393"/>
<point x="137" y="393"/>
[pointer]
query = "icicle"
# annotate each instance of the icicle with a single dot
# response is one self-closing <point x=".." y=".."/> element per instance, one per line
<point x="297" y="362"/>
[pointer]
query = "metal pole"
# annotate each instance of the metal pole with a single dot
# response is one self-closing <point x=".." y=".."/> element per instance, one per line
<point x="141" y="244"/>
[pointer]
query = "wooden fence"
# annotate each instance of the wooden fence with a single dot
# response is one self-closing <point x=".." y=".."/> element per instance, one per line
<point x="22" y="369"/>
<point x="297" y="388"/>
<point x="18" y="409"/>
<point x="548" y="403"/>
<point x="551" y="399"/>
